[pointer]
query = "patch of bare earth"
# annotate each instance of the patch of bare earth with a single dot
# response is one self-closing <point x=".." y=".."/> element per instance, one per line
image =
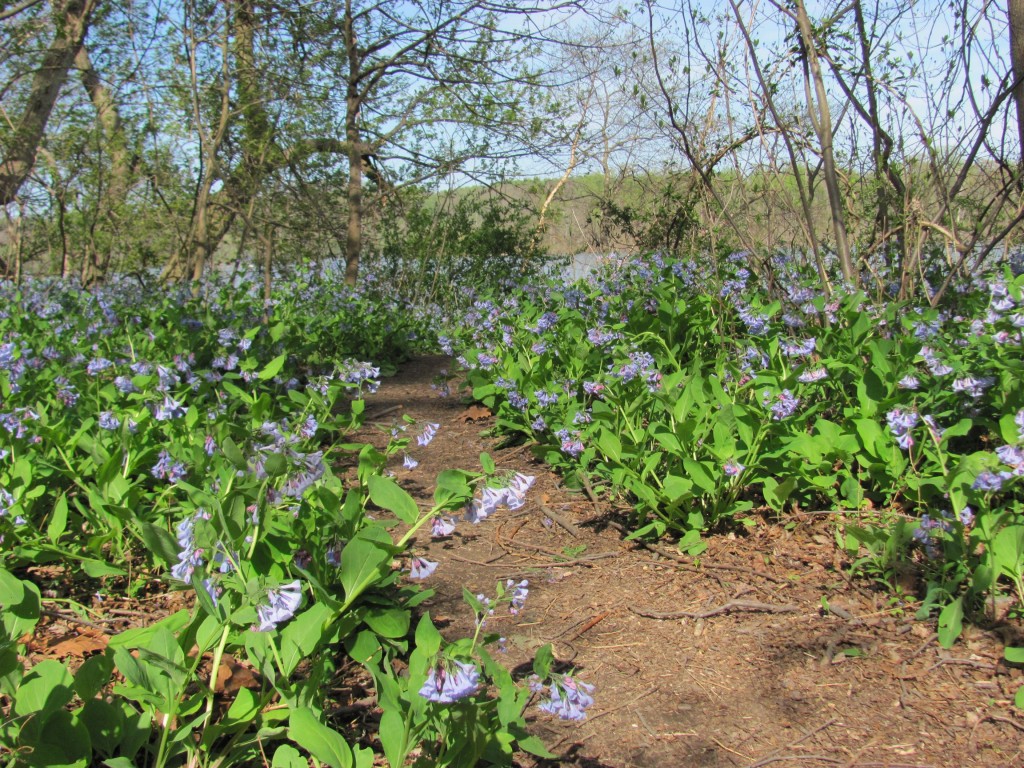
<point x="729" y="661"/>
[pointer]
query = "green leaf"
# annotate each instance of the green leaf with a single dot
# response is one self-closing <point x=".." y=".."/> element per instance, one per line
<point x="287" y="756"/>
<point x="97" y="569"/>
<point x="20" y="604"/>
<point x="543" y="660"/>
<point x="1014" y="655"/>
<point x="327" y="746"/>
<point x="1008" y="551"/>
<point x="388" y="622"/>
<point x="275" y="465"/>
<point x="233" y="454"/>
<point x="387" y="494"/>
<point x="302" y="635"/>
<point x="609" y="444"/>
<point x="428" y="639"/>
<point x="392" y="735"/>
<point x="46" y="688"/>
<point x="58" y="519"/>
<point x="366" y="556"/>
<point x="951" y="620"/>
<point x="159" y="542"/>
<point x="487" y="463"/>
<point x="271" y="369"/>
<point x="92" y="676"/>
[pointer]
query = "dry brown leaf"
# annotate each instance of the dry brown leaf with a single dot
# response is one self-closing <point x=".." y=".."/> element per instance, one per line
<point x="86" y="642"/>
<point x="233" y="676"/>
<point x="475" y="413"/>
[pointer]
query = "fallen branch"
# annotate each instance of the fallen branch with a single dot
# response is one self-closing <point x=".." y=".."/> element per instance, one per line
<point x="749" y="606"/>
<point x="558" y="518"/>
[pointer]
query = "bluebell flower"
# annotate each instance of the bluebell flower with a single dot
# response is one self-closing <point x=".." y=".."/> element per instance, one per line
<point x="420" y="568"/>
<point x="545" y="398"/>
<point x="570" y="698"/>
<point x="282" y="603"/>
<point x="428" y="434"/>
<point x="966" y="516"/>
<point x="169" y="409"/>
<point x="449" y="681"/>
<point x="538" y="424"/>
<point x="97" y="365"/>
<point x="909" y="382"/>
<point x="784" y="405"/>
<point x="107" y="420"/>
<point x="520" y="592"/>
<point x="409" y="462"/>
<point x="809" y="377"/>
<point x="990" y="481"/>
<point x="442" y="527"/>
<point x="733" y="468"/>
<point x="6" y="501"/>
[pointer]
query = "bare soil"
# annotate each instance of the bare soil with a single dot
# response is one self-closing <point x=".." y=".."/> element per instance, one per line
<point x="729" y="660"/>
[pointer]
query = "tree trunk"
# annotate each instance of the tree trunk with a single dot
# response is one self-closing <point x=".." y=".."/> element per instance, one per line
<point x="123" y="162"/>
<point x="71" y="22"/>
<point x="1015" y="12"/>
<point x="354" y="236"/>
<point x="821" y="120"/>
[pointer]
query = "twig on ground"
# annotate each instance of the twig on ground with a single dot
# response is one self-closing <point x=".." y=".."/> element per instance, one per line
<point x="488" y="563"/>
<point x="385" y="412"/>
<point x="561" y="520"/>
<point x="70" y="617"/>
<point x="750" y="606"/>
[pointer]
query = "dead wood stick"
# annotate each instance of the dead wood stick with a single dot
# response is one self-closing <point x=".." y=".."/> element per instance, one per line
<point x="751" y="606"/>
<point x="561" y="520"/>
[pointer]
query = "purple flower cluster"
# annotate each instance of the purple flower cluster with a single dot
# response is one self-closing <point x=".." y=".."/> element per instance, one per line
<point x="427" y="435"/>
<point x="520" y="592"/>
<point x="449" y="681"/>
<point x="190" y="557"/>
<point x="420" y="568"/>
<point x="782" y="405"/>
<point x="934" y="364"/>
<point x="813" y="375"/>
<point x="571" y="443"/>
<point x="360" y="373"/>
<point x="168" y="469"/>
<point x="798" y="348"/>
<point x="643" y="365"/>
<point x="900" y="423"/>
<point x="991" y="481"/>
<point x="570" y="698"/>
<point x="512" y="496"/>
<point x="600" y="337"/>
<point x="973" y="387"/>
<point x="282" y="603"/>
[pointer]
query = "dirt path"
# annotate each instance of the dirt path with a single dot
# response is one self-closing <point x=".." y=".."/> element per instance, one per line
<point x="731" y="661"/>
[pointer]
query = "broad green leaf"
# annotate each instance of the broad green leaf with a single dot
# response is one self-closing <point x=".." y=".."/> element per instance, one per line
<point x="58" y="519"/>
<point x="160" y="542"/>
<point x="428" y="639"/>
<point x="364" y="560"/>
<point x="287" y="756"/>
<point x="951" y="623"/>
<point x="233" y="454"/>
<point x="1014" y="655"/>
<point x="271" y="369"/>
<point x="387" y="494"/>
<point x="326" y="745"/>
<point x="45" y="688"/>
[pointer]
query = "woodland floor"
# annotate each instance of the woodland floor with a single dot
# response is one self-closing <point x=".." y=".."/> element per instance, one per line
<point x="773" y="680"/>
<point x="758" y="674"/>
